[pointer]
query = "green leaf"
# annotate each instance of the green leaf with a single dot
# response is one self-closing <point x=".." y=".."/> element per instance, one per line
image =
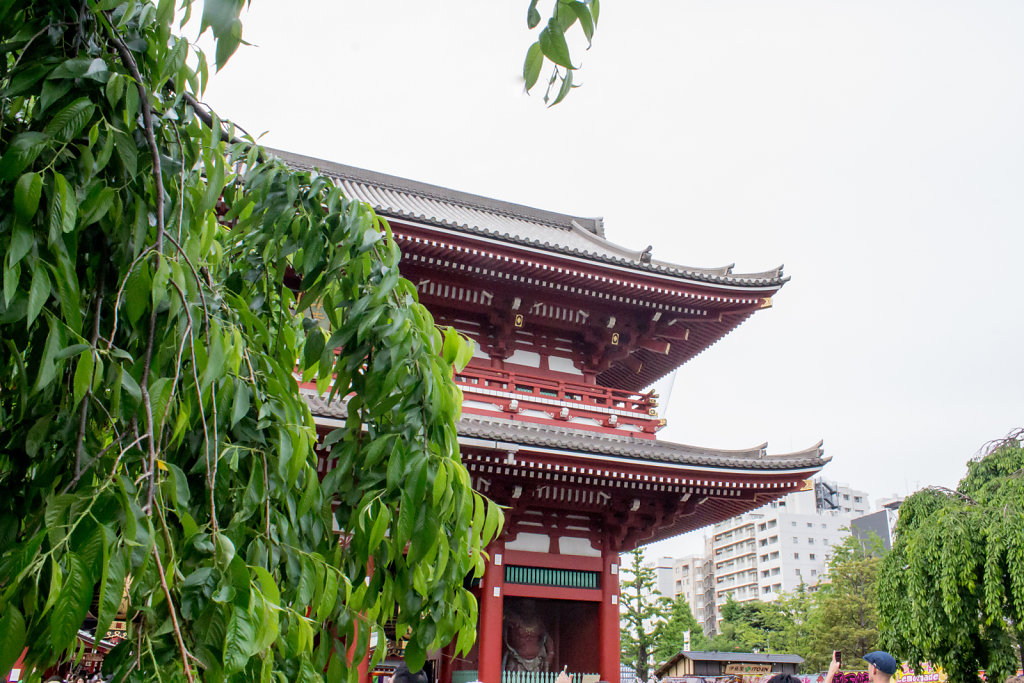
<point x="586" y="20"/>
<point x="70" y="120"/>
<point x="21" y="152"/>
<point x="228" y="42"/>
<point x="595" y="9"/>
<point x="531" y="67"/>
<point x="127" y="151"/>
<point x="27" y="192"/>
<point x="180" y="485"/>
<point x="83" y="377"/>
<point x="552" y="43"/>
<point x="240" y="403"/>
<point x="21" y="242"/>
<point x="63" y="208"/>
<point x="82" y="67"/>
<point x="450" y="349"/>
<point x="111" y="590"/>
<point x="564" y="90"/>
<point x="12" y="637"/>
<point x="39" y="291"/>
<point x="72" y="605"/>
<point x="96" y="204"/>
<point x="314" y="346"/>
<point x="160" y="394"/>
<point x="136" y="292"/>
<point x="239" y="640"/>
<point x="380" y="527"/>
<point x="532" y="16"/>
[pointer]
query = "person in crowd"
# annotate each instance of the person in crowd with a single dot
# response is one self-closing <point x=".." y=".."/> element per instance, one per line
<point x="881" y="666"/>
<point x="403" y="675"/>
<point x="783" y="678"/>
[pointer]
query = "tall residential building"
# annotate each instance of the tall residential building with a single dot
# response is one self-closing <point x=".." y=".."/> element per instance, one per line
<point x="663" y="576"/>
<point x="771" y="550"/>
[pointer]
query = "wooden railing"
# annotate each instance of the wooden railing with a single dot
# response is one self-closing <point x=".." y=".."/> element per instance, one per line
<point x="542" y="677"/>
<point x="525" y="386"/>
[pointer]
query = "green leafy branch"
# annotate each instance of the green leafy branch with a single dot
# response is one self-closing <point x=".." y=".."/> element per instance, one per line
<point x="551" y="45"/>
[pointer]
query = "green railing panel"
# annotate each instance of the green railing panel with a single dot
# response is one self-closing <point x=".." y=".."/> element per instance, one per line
<point x="559" y="578"/>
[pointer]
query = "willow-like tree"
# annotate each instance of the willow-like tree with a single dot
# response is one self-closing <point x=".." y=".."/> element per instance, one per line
<point x="951" y="591"/>
<point x="159" y="284"/>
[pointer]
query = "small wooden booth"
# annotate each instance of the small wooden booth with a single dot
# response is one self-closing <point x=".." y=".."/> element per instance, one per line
<point x="753" y="665"/>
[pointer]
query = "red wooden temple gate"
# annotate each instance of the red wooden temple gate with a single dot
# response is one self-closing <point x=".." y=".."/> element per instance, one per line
<point x="556" y="425"/>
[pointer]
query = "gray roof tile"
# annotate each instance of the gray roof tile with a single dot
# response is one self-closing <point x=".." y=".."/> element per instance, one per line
<point x="573" y="235"/>
<point x="539" y="435"/>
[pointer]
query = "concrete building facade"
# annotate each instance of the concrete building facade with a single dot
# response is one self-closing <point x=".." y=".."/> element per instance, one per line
<point x="769" y="551"/>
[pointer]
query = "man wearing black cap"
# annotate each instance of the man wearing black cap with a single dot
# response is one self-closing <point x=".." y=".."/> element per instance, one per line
<point x="881" y="666"/>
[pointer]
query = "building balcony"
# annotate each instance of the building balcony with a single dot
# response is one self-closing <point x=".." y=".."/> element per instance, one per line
<point x="519" y="396"/>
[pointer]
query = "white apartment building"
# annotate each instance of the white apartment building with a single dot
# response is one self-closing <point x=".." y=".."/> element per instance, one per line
<point x="770" y="550"/>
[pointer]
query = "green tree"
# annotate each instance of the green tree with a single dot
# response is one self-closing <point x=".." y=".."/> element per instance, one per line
<point x="747" y="626"/>
<point x="670" y="634"/>
<point x="794" y="624"/>
<point x="162" y="283"/>
<point x="951" y="591"/>
<point x="641" y="609"/>
<point x="846" y="618"/>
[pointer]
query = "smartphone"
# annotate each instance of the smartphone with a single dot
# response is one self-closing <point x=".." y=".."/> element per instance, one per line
<point x="838" y="656"/>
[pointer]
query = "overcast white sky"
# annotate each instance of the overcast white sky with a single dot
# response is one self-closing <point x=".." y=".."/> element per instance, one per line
<point x="876" y="147"/>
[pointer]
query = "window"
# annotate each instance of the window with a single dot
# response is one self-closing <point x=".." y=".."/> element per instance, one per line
<point x="774" y="556"/>
<point x="824" y="526"/>
<point x="773" y="539"/>
<point x="812" y="556"/>
<point x="810" y="525"/>
<point x="776" y="586"/>
<point x="762" y="527"/>
<point x="764" y="558"/>
<point x="764" y="542"/>
<point x="814" y="572"/>
<point x="810" y="541"/>
<point x="796" y="540"/>
<point x="827" y="542"/>
<point x="775" y="571"/>
<point x="796" y="556"/>
<point x="765" y="573"/>
<point x="846" y="496"/>
<point x="858" y="499"/>
<point x="771" y="523"/>
<point x="767" y="589"/>
<point x="792" y="523"/>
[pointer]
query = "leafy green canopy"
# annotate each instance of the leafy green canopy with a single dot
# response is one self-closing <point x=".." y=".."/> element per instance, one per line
<point x="670" y="634"/>
<point x="846" y="615"/>
<point x="952" y="589"/>
<point x="159" y="283"/>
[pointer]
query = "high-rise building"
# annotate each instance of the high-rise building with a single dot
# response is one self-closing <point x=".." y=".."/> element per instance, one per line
<point x="774" y="549"/>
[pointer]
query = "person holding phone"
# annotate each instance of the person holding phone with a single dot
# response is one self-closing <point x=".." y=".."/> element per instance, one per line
<point x="881" y="666"/>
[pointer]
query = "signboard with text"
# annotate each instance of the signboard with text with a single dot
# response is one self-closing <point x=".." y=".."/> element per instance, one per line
<point x="748" y="669"/>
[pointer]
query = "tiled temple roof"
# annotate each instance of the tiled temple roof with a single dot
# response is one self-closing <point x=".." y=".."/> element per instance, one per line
<point x="532" y="434"/>
<point x="400" y="198"/>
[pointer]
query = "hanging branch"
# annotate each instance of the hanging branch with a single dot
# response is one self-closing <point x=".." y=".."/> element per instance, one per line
<point x="80" y="442"/>
<point x="147" y="122"/>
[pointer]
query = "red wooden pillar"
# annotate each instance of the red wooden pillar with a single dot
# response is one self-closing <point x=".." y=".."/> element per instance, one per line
<point x="491" y="613"/>
<point x="608" y="617"/>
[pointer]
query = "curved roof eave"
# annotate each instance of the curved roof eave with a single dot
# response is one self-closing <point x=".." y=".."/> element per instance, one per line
<point x="582" y="237"/>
